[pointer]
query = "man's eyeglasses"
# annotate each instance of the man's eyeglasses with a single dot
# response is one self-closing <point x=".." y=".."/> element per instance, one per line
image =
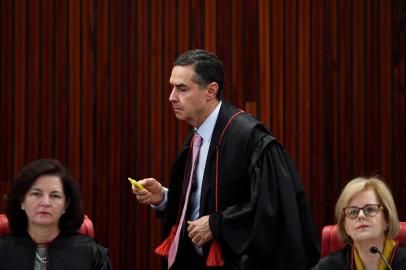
<point x="369" y="210"/>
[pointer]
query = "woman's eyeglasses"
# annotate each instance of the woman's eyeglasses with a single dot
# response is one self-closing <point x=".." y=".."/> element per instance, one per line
<point x="369" y="210"/>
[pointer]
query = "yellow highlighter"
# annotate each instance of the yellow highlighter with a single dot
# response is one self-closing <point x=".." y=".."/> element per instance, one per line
<point x="135" y="183"/>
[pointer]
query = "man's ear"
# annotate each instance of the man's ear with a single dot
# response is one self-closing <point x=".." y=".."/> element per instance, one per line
<point x="212" y="89"/>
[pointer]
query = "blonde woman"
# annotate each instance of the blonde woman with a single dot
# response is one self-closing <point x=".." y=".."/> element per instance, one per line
<point x="367" y="224"/>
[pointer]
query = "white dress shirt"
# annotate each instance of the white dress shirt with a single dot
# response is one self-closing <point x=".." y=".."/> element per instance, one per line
<point x="205" y="131"/>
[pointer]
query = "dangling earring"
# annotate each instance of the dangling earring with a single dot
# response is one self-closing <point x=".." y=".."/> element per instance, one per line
<point x="22" y="207"/>
<point x="63" y="212"/>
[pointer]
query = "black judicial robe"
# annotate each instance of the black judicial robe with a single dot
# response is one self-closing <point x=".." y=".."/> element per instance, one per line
<point x="263" y="216"/>
<point x="342" y="260"/>
<point x="66" y="252"/>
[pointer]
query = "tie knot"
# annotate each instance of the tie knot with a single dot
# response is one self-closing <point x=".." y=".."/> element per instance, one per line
<point x="197" y="140"/>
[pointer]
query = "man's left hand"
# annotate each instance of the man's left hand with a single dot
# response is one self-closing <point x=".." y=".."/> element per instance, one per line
<point x="199" y="231"/>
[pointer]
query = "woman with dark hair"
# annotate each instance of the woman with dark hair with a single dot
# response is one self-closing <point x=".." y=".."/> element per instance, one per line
<point x="44" y="210"/>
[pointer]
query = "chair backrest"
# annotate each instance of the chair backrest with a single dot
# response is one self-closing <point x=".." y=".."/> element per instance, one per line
<point x="330" y="241"/>
<point x="86" y="228"/>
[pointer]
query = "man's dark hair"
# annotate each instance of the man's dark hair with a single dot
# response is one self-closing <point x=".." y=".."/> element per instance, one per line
<point x="70" y="221"/>
<point x="208" y="68"/>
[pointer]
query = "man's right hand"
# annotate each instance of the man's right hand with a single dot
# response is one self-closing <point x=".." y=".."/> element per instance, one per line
<point x="152" y="194"/>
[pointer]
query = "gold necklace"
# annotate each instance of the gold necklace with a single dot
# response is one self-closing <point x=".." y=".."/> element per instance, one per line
<point x="43" y="260"/>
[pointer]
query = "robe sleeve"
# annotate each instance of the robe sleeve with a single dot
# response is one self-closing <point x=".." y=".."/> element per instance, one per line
<point x="276" y="223"/>
<point x="103" y="261"/>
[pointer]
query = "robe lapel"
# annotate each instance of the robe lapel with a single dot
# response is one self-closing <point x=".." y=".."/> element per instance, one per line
<point x="226" y="111"/>
<point x="185" y="156"/>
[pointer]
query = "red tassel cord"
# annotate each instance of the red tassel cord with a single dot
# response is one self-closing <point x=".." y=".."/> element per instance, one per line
<point x="215" y="257"/>
<point x="163" y="249"/>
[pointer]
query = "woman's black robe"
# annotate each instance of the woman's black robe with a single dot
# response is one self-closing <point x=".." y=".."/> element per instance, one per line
<point x="343" y="260"/>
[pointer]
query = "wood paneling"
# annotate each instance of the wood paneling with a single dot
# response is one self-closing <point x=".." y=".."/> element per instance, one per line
<point x="344" y="101"/>
<point x="399" y="88"/>
<point x="330" y="110"/>
<point x="291" y="77"/>
<point x="304" y="128"/>
<point x="47" y="73"/>
<point x="7" y="50"/>
<point x="32" y="67"/>
<point x="19" y="85"/>
<point x="385" y="85"/>
<point x="86" y="82"/>
<point x="264" y="62"/>
<point x="61" y="81"/>
<point x="88" y="104"/>
<point x="373" y="141"/>
<point x="73" y="84"/>
<point x="317" y="145"/>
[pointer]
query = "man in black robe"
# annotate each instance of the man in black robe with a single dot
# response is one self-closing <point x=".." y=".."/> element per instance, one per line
<point x="252" y="209"/>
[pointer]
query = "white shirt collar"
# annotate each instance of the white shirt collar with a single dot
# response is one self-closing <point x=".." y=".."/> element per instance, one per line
<point x="206" y="129"/>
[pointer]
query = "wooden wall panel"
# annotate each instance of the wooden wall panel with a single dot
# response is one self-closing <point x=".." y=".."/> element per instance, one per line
<point x="237" y="66"/>
<point x="385" y="85"/>
<point x="291" y="77"/>
<point x="345" y="105"/>
<point x="143" y="116"/>
<point x="86" y="82"/>
<point x="158" y="82"/>
<point x="7" y="29"/>
<point x="102" y="128"/>
<point x="250" y="55"/>
<point x="116" y="180"/>
<point x="46" y="117"/>
<point x="371" y="86"/>
<point x="74" y="92"/>
<point x="399" y="86"/>
<point x="317" y="126"/>
<point x="60" y="87"/>
<point x="88" y="105"/>
<point x="128" y="214"/>
<point x="210" y="21"/>
<point x="330" y="105"/>
<point x="276" y="112"/>
<point x="304" y="154"/>
<point x="264" y="62"/>
<point x="170" y="135"/>
<point x="224" y="33"/>
<point x="20" y="55"/>
<point x="32" y="68"/>
<point x="358" y="85"/>
<point x="197" y="11"/>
